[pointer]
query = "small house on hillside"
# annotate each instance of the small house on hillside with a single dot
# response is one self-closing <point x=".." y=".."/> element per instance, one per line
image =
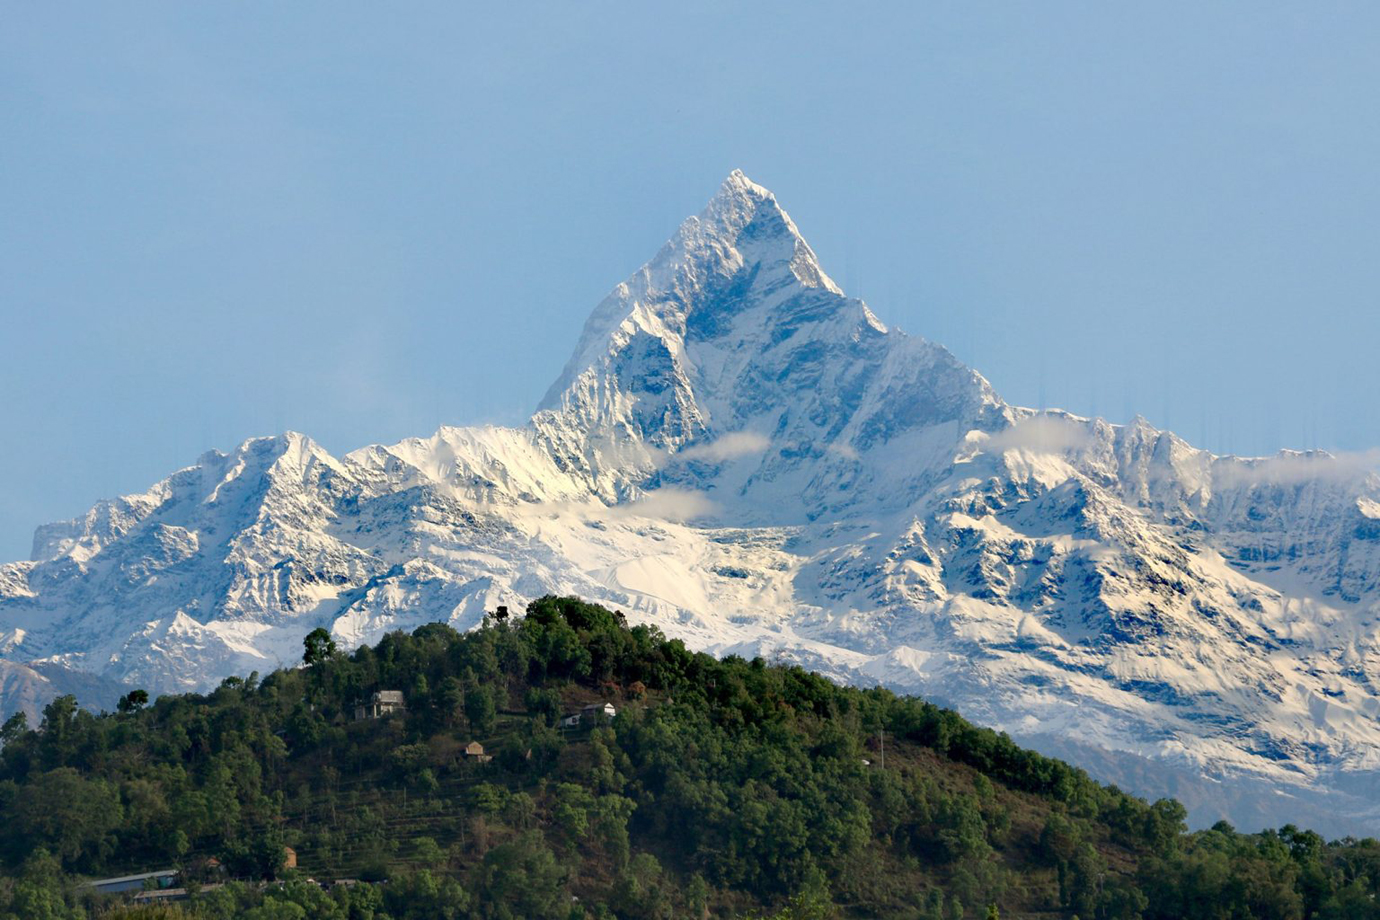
<point x="382" y="703"/>
<point x="475" y="751"/>
<point x="588" y="715"/>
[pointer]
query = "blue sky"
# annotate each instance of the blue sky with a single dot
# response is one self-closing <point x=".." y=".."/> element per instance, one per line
<point x="360" y="222"/>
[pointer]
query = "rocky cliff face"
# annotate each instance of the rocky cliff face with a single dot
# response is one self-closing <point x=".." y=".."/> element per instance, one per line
<point x="742" y="454"/>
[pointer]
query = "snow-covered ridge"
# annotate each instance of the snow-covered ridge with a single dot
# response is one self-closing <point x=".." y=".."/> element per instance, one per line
<point x="743" y="454"/>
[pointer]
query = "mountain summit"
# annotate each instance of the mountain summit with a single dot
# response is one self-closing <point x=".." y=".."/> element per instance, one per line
<point x="742" y="454"/>
<point x="733" y="331"/>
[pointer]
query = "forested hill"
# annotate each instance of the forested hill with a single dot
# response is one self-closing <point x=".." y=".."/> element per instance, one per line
<point x="720" y="788"/>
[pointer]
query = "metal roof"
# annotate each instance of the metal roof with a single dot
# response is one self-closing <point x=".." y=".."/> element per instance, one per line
<point x="161" y="873"/>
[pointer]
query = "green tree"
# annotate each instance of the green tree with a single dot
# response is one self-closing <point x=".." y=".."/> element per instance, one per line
<point x="318" y="647"/>
<point x="38" y="893"/>
<point x="449" y="700"/>
<point x="480" y="710"/>
<point x="259" y="856"/>
<point x="427" y="852"/>
<point x="133" y="701"/>
<point x="14" y="728"/>
<point x="521" y="880"/>
<point x="426" y="896"/>
<point x="544" y="704"/>
<point x="69" y="815"/>
<point x="1058" y="839"/>
<point x="570" y="812"/>
<point x="59" y="730"/>
<point x="276" y="909"/>
<point x="409" y="761"/>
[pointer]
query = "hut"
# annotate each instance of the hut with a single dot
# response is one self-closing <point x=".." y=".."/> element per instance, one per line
<point x="382" y="703"/>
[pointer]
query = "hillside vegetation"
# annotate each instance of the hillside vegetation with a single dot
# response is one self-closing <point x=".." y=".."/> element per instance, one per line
<point x="721" y="788"/>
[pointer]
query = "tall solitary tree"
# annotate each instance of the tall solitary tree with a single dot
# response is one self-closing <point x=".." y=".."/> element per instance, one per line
<point x="133" y="701"/>
<point x="319" y="646"/>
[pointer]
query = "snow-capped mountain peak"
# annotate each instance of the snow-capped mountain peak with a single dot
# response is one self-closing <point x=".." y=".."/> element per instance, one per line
<point x="743" y="225"/>
<point x="746" y="456"/>
<point x="734" y="328"/>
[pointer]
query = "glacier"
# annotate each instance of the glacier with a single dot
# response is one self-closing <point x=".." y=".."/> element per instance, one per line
<point x="742" y="454"/>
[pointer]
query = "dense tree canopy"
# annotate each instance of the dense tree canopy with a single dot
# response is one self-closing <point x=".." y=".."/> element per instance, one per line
<point x="721" y="788"/>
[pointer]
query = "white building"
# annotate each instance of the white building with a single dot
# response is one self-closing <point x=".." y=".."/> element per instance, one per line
<point x="588" y="715"/>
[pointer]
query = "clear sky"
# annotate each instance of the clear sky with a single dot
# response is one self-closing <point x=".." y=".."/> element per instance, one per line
<point x="361" y="220"/>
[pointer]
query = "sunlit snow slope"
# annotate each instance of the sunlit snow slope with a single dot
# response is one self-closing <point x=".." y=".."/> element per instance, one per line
<point x="742" y="454"/>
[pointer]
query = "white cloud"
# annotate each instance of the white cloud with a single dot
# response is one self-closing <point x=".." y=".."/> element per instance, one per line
<point x="1293" y="468"/>
<point x="1050" y="434"/>
<point x="667" y="505"/>
<point x="727" y="447"/>
<point x="840" y="449"/>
